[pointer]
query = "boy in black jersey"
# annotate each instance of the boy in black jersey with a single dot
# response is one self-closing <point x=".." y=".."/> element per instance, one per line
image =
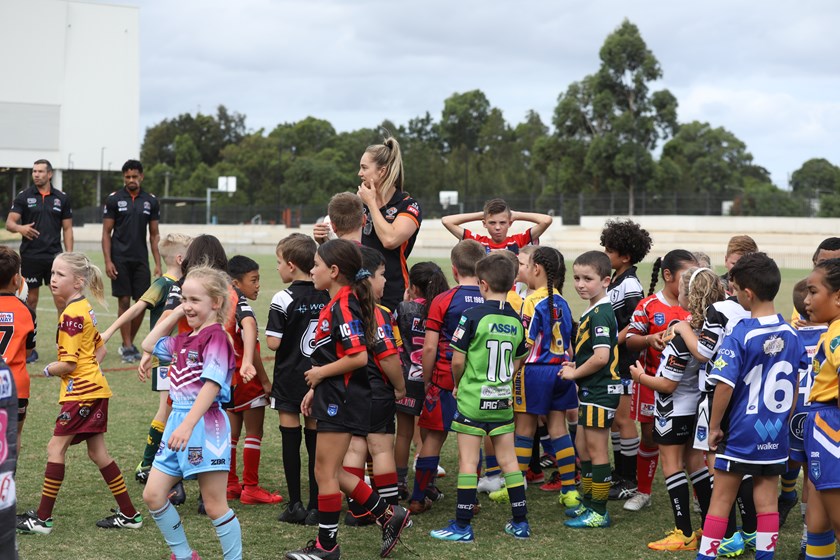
<point x="292" y="320"/>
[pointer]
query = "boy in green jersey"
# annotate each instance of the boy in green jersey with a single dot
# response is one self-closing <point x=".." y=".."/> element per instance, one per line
<point x="488" y="346"/>
<point x="599" y="387"/>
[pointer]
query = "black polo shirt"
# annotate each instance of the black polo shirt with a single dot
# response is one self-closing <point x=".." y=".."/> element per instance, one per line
<point x="46" y="212"/>
<point x="396" y="267"/>
<point x="131" y="216"/>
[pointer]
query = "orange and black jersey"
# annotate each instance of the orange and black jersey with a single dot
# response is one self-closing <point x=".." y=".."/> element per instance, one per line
<point x="396" y="267"/>
<point x="17" y="336"/>
<point x="342" y="399"/>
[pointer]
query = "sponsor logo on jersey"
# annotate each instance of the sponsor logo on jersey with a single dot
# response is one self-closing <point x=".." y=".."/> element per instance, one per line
<point x="332" y="409"/>
<point x="161" y="447"/>
<point x="719" y="364"/>
<point x="659" y="319"/>
<point x="147" y="206"/>
<point x="122" y="203"/>
<point x="71" y="325"/>
<point x="675" y="363"/>
<point x="7" y="317"/>
<point x="494" y="404"/>
<point x="353" y="328"/>
<point x="773" y="345"/>
<point x="8" y="492"/>
<point x="797" y="425"/>
<point x="325" y="326"/>
<point x="768" y="429"/>
<point x="195" y="455"/>
<point x="614" y="389"/>
<point x="6" y="384"/>
<point x="602" y="331"/>
<point x="728" y="352"/>
<point x="503" y="328"/>
<point x="57" y="202"/>
<point x="501" y="392"/>
<point x="70" y="385"/>
<point x="31" y="201"/>
<point x="390" y="213"/>
<point x="456" y="336"/>
<point x="92" y="317"/>
<point x="63" y="418"/>
<point x="413" y="209"/>
<point x="835" y="342"/>
<point x="648" y="409"/>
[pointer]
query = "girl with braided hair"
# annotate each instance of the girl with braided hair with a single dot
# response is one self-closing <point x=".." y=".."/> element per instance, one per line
<point x="537" y="389"/>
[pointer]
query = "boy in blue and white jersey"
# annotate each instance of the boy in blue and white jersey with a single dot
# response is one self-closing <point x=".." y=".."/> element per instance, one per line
<point x="756" y="373"/>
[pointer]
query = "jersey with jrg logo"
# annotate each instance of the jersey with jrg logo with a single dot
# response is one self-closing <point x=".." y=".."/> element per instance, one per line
<point x="760" y="360"/>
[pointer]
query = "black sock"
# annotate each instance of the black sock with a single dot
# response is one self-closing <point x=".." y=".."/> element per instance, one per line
<point x="534" y="465"/>
<point x="702" y="481"/>
<point x="732" y="523"/>
<point x="615" y="439"/>
<point x="309" y="437"/>
<point x="677" y="485"/>
<point x="518" y="507"/>
<point x="291" y="439"/>
<point x="749" y="519"/>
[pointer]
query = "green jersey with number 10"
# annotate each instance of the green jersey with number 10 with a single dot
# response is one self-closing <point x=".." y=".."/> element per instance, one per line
<point x="492" y="337"/>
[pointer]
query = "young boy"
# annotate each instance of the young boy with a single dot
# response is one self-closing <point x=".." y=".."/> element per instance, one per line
<point x="439" y="406"/>
<point x="172" y="249"/>
<point x="488" y="346"/>
<point x="17" y="330"/>
<point x="756" y="374"/>
<point x="346" y="216"/>
<point x="249" y="394"/>
<point x="599" y="388"/>
<point x="290" y="332"/>
<point x="497" y="217"/>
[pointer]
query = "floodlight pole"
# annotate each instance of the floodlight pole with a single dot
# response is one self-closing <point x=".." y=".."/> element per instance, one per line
<point x="209" y="191"/>
<point x="99" y="176"/>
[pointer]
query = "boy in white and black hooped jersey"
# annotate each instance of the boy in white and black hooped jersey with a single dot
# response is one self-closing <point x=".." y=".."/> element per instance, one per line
<point x="292" y="320"/>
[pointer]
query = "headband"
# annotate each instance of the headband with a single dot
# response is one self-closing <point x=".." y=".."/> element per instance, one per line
<point x="694" y="274"/>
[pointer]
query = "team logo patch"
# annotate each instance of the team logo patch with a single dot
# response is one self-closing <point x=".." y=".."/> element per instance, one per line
<point x="84" y="411"/>
<point x="456" y="336"/>
<point x="161" y="447"/>
<point x="92" y="317"/>
<point x="614" y="295"/>
<point x="192" y="357"/>
<point x="835" y="342"/>
<point x="797" y="425"/>
<point x="614" y="389"/>
<point x="332" y="409"/>
<point x="147" y="206"/>
<point x="57" y="203"/>
<point x="773" y="345"/>
<point x="63" y="418"/>
<point x="31" y="201"/>
<point x="7" y="317"/>
<point x="390" y="213"/>
<point x="70" y="385"/>
<point x="71" y="325"/>
<point x="815" y="469"/>
<point x="6" y="384"/>
<point x="325" y="326"/>
<point x="719" y="364"/>
<point x="701" y="433"/>
<point x="602" y="331"/>
<point x="163" y="372"/>
<point x="122" y="203"/>
<point x="195" y="455"/>
<point x="659" y="319"/>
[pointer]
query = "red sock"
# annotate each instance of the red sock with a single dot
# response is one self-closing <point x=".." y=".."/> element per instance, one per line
<point x="386" y="486"/>
<point x="115" y="481"/>
<point x="233" y="478"/>
<point x="53" y="477"/>
<point x="646" y="462"/>
<point x="251" y="461"/>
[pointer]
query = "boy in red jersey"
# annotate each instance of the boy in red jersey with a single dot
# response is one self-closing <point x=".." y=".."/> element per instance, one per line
<point x="497" y="217"/>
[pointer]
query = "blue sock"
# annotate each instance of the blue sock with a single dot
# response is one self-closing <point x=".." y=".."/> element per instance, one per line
<point x="573" y="434"/>
<point x="491" y="466"/>
<point x="820" y="545"/>
<point x="565" y="459"/>
<point x="524" y="448"/>
<point x="425" y="472"/>
<point x="169" y="523"/>
<point x="548" y="445"/>
<point x="230" y="535"/>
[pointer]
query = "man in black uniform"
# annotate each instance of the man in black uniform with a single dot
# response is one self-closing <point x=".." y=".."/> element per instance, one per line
<point x="8" y="461"/>
<point x="128" y="213"/>
<point x="40" y="214"/>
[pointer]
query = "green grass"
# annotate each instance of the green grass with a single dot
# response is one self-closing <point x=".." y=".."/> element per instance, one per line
<point x="84" y="497"/>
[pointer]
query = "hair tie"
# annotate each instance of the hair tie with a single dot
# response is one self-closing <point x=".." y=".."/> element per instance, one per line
<point x="694" y="274"/>
<point x="362" y="274"/>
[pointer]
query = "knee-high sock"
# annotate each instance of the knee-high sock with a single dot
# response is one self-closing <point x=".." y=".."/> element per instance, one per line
<point x="534" y="463"/>
<point x="820" y="546"/>
<point x="310" y="437"/>
<point x="702" y="482"/>
<point x="586" y="482"/>
<point x="545" y="441"/>
<point x="615" y="440"/>
<point x="152" y="443"/>
<point x="116" y="483"/>
<point x="329" y="510"/>
<point x="251" y="461"/>
<point x="291" y="438"/>
<point x="565" y="458"/>
<point x="169" y="523"/>
<point x="491" y="466"/>
<point x="355" y="508"/>
<point x="425" y="470"/>
<point x="646" y="463"/>
<point x="53" y="477"/>
<point x="677" y="485"/>
<point x="600" y="487"/>
<point x="233" y="477"/>
<point x="767" y="533"/>
<point x="466" y="498"/>
<point x="524" y="445"/>
<point x="386" y="486"/>
<point x="629" y="454"/>
<point x="789" y="484"/>
<point x="746" y="505"/>
<point x="230" y="535"/>
<point x="515" y="484"/>
<point x="371" y="501"/>
<point x="713" y="532"/>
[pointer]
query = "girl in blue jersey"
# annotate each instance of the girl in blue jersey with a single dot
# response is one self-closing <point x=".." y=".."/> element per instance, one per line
<point x="197" y="435"/>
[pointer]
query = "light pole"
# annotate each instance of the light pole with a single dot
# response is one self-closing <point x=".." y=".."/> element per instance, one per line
<point x="99" y="176"/>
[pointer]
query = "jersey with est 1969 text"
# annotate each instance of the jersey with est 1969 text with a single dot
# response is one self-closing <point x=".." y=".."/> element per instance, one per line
<point x="548" y="328"/>
<point x="510" y="243"/>
<point x="760" y="359"/>
<point x="492" y="337"/>
<point x="680" y="366"/>
<point x="196" y="358"/>
<point x="721" y="318"/>
<point x="653" y="315"/>
<point x="444" y="315"/>
<point x="77" y="340"/>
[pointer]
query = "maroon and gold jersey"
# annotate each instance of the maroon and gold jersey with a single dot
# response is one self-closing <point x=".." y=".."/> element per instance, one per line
<point x="77" y="340"/>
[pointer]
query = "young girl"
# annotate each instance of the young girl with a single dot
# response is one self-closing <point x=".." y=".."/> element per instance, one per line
<point x="537" y="388"/>
<point x="651" y="319"/>
<point x="626" y="243"/>
<point x="677" y="394"/>
<point x="425" y="281"/>
<point x="197" y="432"/>
<point x="387" y="386"/>
<point x="84" y="396"/>
<point x="339" y="396"/>
<point x="823" y="422"/>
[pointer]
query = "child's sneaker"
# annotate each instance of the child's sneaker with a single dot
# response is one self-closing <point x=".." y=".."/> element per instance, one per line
<point x="294" y="513"/>
<point x="637" y="502"/>
<point x="363" y="520"/>
<point x="177" y="495"/>
<point x="547" y="462"/>
<point x="623" y="489"/>
<point x="500" y="496"/>
<point x="576" y="511"/>
<point x="733" y="546"/>
<point x="28" y="523"/>
<point x="141" y="473"/>
<point x="121" y="521"/>
<point x="518" y="530"/>
<point x="313" y="550"/>
<point x="534" y="477"/>
<point x="589" y="520"/>
<point x="433" y="493"/>
<point x="554" y="484"/>
<point x="488" y="484"/>
<point x="396" y="520"/>
<point x="749" y="540"/>
<point x="234" y="491"/>
<point x="417" y="507"/>
<point x="675" y="540"/>
<point x="193" y="556"/>
<point x="454" y="533"/>
<point x="258" y="495"/>
<point x="570" y="499"/>
<point x="441" y="472"/>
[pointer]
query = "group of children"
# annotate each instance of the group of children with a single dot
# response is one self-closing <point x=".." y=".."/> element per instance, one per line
<point x="706" y="367"/>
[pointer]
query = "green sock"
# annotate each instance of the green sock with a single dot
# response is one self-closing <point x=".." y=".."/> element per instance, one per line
<point x="600" y="487"/>
<point x="586" y="483"/>
<point x="152" y="443"/>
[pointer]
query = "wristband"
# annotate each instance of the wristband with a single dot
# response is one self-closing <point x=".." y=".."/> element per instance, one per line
<point x="47" y="371"/>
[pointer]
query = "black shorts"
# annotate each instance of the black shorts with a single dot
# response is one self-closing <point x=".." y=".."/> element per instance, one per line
<point x="412" y="402"/>
<point x="287" y="392"/>
<point x="36" y="272"/>
<point x="676" y="430"/>
<point x="326" y="426"/>
<point x="754" y="469"/>
<point x="133" y="279"/>
<point x="382" y="414"/>
<point x="23" y="404"/>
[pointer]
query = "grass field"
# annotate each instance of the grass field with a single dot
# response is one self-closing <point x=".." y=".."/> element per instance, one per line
<point x="84" y="498"/>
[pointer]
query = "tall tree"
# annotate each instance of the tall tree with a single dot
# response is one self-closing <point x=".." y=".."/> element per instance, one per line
<point x="464" y="115"/>
<point x="815" y="177"/>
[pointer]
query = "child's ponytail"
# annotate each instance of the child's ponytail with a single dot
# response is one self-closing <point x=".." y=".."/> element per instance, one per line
<point x="654" y="275"/>
<point x="551" y="260"/>
<point x="83" y="268"/>
<point x="429" y="280"/>
<point x="702" y="288"/>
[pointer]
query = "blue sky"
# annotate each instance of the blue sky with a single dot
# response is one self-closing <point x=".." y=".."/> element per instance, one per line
<point x="769" y="72"/>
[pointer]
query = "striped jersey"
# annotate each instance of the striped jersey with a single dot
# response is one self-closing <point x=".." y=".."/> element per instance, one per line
<point x="548" y="328"/>
<point x="77" y="340"/>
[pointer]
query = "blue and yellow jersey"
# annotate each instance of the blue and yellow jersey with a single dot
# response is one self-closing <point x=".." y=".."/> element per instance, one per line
<point x="548" y="328"/>
<point x="827" y="366"/>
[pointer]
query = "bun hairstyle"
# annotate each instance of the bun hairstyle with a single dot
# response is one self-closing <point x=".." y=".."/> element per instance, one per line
<point x="429" y="280"/>
<point x="347" y="257"/>
<point x="702" y="287"/>
<point x="673" y="261"/>
<point x="90" y="274"/>
<point x="389" y="156"/>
